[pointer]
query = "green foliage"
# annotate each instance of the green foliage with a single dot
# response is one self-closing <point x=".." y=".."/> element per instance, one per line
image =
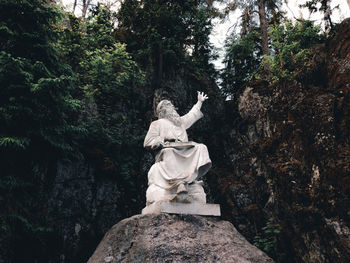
<point x="267" y="240"/>
<point x="38" y="115"/>
<point x="107" y="77"/>
<point x="292" y="44"/>
<point x="242" y="59"/>
<point x="68" y="89"/>
<point x="36" y="112"/>
<point x="100" y="28"/>
<point x="14" y="142"/>
<point x="109" y="85"/>
<point x="198" y="41"/>
<point x="156" y="26"/>
<point x="35" y="101"/>
<point x="108" y="72"/>
<point x="164" y="33"/>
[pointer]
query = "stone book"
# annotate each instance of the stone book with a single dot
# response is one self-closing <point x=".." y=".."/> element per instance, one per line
<point x="179" y="145"/>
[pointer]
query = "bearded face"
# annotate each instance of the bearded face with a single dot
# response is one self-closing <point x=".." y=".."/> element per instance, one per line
<point x="167" y="110"/>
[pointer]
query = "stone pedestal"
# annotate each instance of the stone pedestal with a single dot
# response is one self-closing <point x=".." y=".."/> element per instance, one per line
<point x="182" y="208"/>
<point x="185" y="199"/>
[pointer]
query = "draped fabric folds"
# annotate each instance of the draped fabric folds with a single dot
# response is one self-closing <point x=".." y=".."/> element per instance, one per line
<point x="174" y="166"/>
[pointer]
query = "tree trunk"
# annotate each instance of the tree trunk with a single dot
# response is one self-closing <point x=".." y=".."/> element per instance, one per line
<point x="263" y="29"/>
<point x="74" y="5"/>
<point x="86" y="4"/>
<point x="245" y="22"/>
<point x="326" y="6"/>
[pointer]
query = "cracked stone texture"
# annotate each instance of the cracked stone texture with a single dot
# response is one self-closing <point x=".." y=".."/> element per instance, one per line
<point x="175" y="238"/>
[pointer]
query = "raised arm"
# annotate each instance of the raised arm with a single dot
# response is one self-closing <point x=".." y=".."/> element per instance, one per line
<point x="195" y="113"/>
<point x="201" y="98"/>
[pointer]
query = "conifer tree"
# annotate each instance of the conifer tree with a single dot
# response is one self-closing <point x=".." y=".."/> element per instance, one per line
<point x="36" y="104"/>
<point x="245" y="51"/>
<point x="162" y="34"/>
<point x="37" y="118"/>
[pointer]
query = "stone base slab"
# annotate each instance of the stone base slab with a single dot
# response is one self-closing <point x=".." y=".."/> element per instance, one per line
<point x="182" y="208"/>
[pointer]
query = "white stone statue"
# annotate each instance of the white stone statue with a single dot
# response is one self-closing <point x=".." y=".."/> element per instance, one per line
<point x="179" y="163"/>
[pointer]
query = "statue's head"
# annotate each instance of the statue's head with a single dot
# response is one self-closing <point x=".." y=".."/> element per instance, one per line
<point x="163" y="109"/>
<point x="166" y="109"/>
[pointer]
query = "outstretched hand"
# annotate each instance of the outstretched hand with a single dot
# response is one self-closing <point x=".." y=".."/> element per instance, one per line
<point x="201" y="96"/>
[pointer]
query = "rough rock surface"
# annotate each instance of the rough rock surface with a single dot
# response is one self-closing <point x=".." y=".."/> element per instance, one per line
<point x="80" y="210"/>
<point x="289" y="151"/>
<point x="175" y="238"/>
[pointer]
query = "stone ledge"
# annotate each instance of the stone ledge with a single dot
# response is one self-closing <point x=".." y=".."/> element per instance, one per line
<point x="182" y="208"/>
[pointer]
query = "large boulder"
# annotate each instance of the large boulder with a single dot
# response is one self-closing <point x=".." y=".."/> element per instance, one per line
<point x="175" y="238"/>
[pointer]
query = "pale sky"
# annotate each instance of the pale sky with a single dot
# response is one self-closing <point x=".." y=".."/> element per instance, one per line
<point x="224" y="29"/>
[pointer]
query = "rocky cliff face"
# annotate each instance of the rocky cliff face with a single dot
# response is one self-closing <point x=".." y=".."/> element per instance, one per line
<point x="289" y="149"/>
<point x="175" y="238"/>
<point x="82" y="207"/>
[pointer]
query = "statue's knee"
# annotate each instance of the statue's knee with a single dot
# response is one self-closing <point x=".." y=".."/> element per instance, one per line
<point x="155" y="193"/>
<point x="202" y="147"/>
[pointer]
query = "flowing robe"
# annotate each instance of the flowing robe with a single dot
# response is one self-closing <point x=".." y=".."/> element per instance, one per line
<point x="174" y="166"/>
